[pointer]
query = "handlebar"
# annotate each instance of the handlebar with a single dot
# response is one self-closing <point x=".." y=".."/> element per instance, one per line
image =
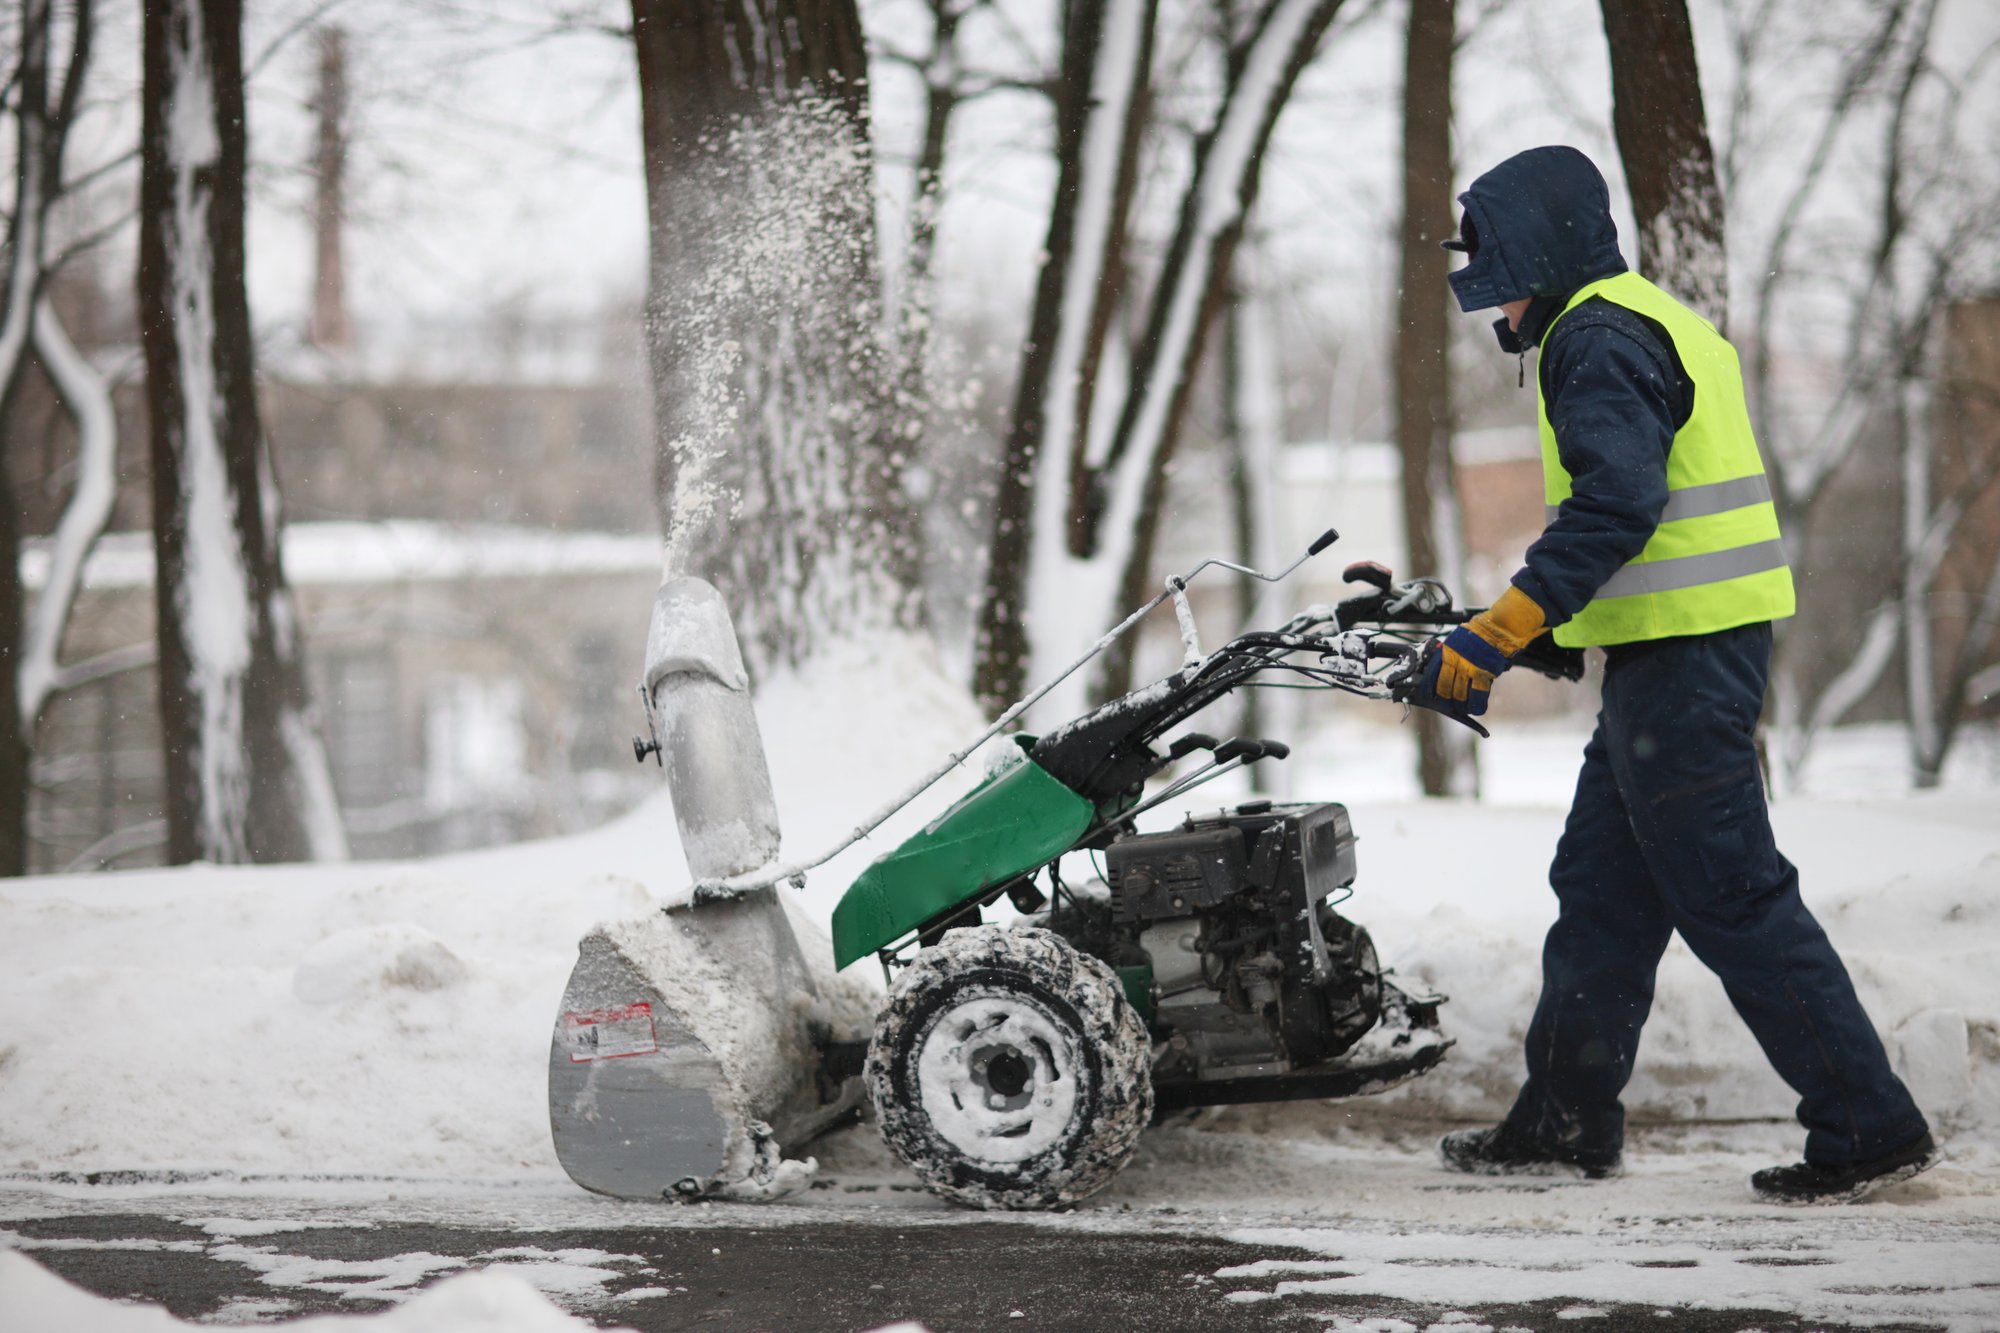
<point x="1404" y="606"/>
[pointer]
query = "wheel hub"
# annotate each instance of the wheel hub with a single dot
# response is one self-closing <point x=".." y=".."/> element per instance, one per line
<point x="1003" y="1072"/>
<point x="997" y="1076"/>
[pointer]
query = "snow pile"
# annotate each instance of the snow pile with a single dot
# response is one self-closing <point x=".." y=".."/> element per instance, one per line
<point x="1455" y="898"/>
<point x="33" y="1300"/>
<point x="393" y="1019"/>
<point x="349" y="964"/>
<point x="866" y="721"/>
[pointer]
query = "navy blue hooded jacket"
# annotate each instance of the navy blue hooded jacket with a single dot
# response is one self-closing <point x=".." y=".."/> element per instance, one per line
<point x="1539" y="226"/>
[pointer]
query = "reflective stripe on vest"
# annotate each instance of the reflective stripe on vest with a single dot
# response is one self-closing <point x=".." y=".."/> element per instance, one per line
<point x="1716" y="560"/>
<point x="1718" y="497"/>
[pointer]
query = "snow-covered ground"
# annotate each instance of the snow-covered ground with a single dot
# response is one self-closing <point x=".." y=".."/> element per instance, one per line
<point x="293" y="1038"/>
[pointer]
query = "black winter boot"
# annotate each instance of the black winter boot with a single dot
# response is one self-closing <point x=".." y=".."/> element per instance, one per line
<point x="1500" y="1151"/>
<point x="1809" y="1182"/>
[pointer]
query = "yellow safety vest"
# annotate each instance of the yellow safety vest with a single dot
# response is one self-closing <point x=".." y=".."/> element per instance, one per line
<point x="1716" y="560"/>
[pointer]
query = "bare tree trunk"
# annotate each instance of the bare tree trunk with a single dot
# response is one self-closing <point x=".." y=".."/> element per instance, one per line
<point x="23" y="278"/>
<point x="247" y="778"/>
<point x="942" y="96"/>
<point x="1663" y="141"/>
<point x="1106" y="57"/>
<point x="1250" y="438"/>
<point x="1951" y="552"/>
<point x="775" y="376"/>
<point x="1445" y="764"/>
<point x="329" y="327"/>
<point x="1920" y="693"/>
<point x="43" y="111"/>
<point x="14" y="734"/>
<point x="1966" y="431"/>
<point x="941" y="72"/>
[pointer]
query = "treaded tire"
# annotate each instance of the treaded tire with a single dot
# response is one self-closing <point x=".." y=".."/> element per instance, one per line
<point x="1009" y="1071"/>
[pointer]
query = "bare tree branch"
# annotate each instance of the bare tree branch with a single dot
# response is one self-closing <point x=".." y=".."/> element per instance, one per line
<point x="308" y="19"/>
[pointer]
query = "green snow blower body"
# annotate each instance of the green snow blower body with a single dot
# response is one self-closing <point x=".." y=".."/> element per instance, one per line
<point x="1011" y="825"/>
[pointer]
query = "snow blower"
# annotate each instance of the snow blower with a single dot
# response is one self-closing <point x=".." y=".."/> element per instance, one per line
<point x="1015" y="1065"/>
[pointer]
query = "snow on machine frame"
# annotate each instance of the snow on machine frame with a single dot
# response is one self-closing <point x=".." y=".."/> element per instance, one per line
<point x="1016" y="1066"/>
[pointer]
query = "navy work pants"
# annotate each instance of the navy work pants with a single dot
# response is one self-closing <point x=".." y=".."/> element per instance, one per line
<point x="1669" y="832"/>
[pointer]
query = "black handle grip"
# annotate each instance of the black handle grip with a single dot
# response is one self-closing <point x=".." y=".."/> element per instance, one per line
<point x="1276" y="750"/>
<point x="1188" y="744"/>
<point x="1240" y="748"/>
<point x="1544" y="655"/>
<point x="1370" y="572"/>
<point x="1326" y="539"/>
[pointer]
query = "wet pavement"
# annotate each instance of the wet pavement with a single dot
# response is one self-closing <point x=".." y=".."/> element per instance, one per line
<point x="952" y="1273"/>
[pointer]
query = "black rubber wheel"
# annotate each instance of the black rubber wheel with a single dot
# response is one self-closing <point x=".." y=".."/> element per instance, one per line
<point x="1009" y="1071"/>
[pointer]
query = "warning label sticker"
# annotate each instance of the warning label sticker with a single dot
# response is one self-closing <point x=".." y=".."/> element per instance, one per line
<point x="610" y="1034"/>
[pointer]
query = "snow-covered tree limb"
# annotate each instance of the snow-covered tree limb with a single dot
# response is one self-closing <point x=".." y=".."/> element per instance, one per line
<point x="87" y="397"/>
<point x="1229" y="161"/>
<point x="1921" y="550"/>
<point x="1253" y="431"/>
<point x="1076" y="515"/>
<point x="102" y="666"/>
<point x="1106" y="61"/>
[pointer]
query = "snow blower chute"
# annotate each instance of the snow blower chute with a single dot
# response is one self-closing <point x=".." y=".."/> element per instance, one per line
<point x="688" y="1056"/>
<point x="1014" y="1065"/>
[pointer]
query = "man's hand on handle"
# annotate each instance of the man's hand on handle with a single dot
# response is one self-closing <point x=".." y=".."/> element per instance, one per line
<point x="1458" y="676"/>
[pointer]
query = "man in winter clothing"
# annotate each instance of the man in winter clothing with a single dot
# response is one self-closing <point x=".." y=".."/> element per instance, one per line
<point x="1662" y="547"/>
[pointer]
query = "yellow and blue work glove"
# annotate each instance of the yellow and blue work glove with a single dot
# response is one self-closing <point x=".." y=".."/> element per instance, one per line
<point x="1459" y="675"/>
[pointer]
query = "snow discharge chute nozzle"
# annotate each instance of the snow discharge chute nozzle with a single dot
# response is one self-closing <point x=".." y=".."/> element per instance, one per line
<point x="696" y="694"/>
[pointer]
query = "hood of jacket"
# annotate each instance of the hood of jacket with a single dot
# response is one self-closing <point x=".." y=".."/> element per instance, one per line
<point x="1541" y="224"/>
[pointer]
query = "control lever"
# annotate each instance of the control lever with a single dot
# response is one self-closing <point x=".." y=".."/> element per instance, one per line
<point x="1188" y="744"/>
<point x="1228" y="756"/>
<point x="1419" y="597"/>
<point x="1242" y="747"/>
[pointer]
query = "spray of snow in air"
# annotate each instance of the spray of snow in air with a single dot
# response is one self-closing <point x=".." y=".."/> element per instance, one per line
<point x="785" y="428"/>
<point x="1679" y="244"/>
